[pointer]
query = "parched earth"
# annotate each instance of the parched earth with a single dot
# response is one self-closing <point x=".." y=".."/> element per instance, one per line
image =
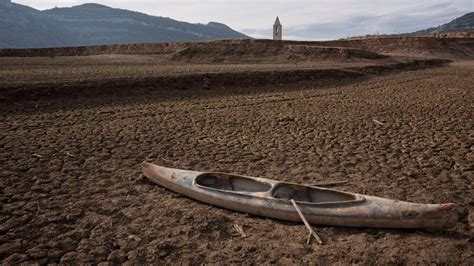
<point x="71" y="192"/>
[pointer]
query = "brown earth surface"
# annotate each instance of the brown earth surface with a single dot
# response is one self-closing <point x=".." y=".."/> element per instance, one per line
<point x="70" y="190"/>
<point x="41" y="70"/>
<point x="34" y="78"/>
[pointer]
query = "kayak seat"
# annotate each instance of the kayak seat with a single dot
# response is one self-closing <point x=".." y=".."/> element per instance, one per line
<point x="231" y="183"/>
<point x="309" y="194"/>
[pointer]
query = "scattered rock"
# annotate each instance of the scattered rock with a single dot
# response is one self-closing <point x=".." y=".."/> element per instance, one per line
<point x="117" y="256"/>
<point x="74" y="257"/>
<point x="15" y="258"/>
<point x="105" y="263"/>
<point x="470" y="217"/>
<point x="37" y="253"/>
<point x="11" y="247"/>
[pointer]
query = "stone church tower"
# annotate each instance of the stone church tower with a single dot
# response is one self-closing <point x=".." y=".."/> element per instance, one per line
<point x="277" y="30"/>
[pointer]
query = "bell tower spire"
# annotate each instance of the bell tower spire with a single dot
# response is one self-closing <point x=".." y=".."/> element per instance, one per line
<point x="277" y="30"/>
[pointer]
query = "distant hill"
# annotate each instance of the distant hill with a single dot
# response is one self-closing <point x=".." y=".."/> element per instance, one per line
<point x="92" y="24"/>
<point x="463" y="23"/>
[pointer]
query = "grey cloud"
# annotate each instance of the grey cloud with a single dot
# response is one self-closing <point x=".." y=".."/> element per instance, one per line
<point x="302" y="19"/>
<point x="382" y="24"/>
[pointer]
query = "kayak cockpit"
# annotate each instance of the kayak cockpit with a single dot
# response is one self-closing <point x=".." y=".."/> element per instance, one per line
<point x="312" y="195"/>
<point x="242" y="185"/>
<point x="231" y="183"/>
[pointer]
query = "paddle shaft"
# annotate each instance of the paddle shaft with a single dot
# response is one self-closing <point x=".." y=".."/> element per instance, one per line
<point x="331" y="184"/>
<point x="306" y="222"/>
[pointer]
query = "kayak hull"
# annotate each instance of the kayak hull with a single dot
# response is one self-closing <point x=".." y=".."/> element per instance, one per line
<point x="271" y="198"/>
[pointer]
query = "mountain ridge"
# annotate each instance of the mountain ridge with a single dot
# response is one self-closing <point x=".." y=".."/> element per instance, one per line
<point x="462" y="23"/>
<point x="95" y="24"/>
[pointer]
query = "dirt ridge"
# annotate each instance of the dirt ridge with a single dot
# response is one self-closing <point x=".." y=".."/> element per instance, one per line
<point x="258" y="52"/>
<point x="428" y="46"/>
<point x="128" y="86"/>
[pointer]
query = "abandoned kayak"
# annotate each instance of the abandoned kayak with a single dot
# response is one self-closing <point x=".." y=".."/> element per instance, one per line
<point x="271" y="198"/>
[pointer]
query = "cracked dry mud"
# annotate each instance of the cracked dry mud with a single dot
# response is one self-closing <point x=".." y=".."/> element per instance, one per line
<point x="70" y="193"/>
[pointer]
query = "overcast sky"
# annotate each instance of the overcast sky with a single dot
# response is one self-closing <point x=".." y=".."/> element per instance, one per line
<point x="301" y="19"/>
